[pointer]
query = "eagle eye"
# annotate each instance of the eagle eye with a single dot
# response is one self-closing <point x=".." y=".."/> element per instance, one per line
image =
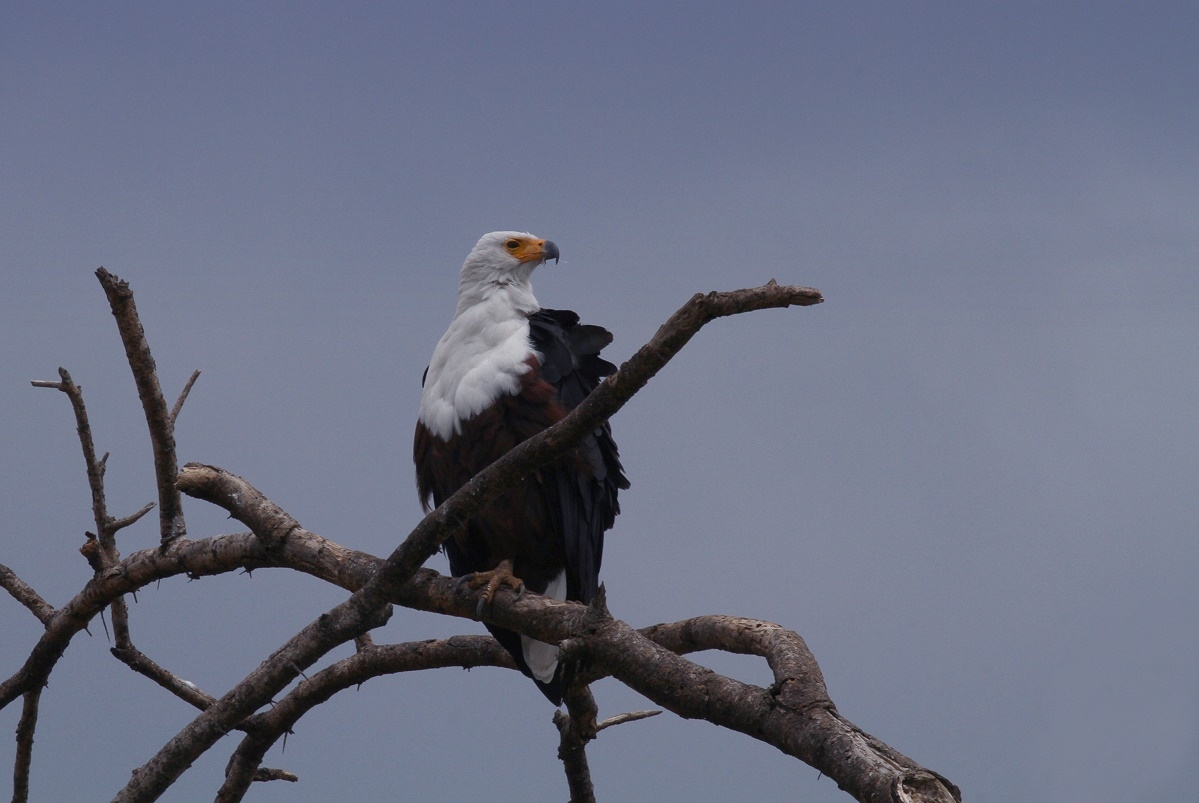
<point x="512" y="245"/>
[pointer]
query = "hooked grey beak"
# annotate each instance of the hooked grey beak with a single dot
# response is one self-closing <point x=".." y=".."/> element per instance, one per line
<point x="551" y="251"/>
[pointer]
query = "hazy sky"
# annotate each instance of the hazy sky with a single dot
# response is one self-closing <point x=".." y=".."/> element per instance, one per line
<point x="968" y="479"/>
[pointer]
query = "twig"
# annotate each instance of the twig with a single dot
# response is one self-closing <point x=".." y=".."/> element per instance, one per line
<point x="268" y="774"/>
<point x="158" y="418"/>
<point x="620" y="719"/>
<point x="141" y="663"/>
<point x="106" y="526"/>
<point x="95" y="468"/>
<point x="122" y="523"/>
<point x="187" y="388"/>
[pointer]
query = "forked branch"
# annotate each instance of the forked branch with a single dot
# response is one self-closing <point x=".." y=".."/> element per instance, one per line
<point x="794" y="713"/>
<point x="158" y="418"/>
<point x="361" y="611"/>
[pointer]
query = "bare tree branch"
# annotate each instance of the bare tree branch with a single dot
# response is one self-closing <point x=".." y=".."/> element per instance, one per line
<point x="620" y="719"/>
<point x="185" y="690"/>
<point x="102" y="553"/>
<point x="25" y="729"/>
<point x="361" y="611"/>
<point x="125" y="521"/>
<point x="95" y="468"/>
<point x="158" y="418"/>
<point x="243" y="501"/>
<point x="267" y="728"/>
<point x="575" y="729"/>
<point x="267" y="774"/>
<point x="578" y="727"/>
<point x="534" y="615"/>
<point x="23" y="593"/>
<point x="794" y="713"/>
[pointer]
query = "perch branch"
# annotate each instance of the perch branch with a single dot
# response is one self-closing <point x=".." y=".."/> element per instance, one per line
<point x="794" y="714"/>
<point x="537" y="616"/>
<point x="598" y="407"/>
<point x="802" y="711"/>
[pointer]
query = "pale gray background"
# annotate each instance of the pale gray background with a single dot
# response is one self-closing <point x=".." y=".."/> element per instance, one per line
<point x="968" y="479"/>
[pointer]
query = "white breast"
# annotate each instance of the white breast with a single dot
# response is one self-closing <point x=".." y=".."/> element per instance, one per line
<point x="479" y="358"/>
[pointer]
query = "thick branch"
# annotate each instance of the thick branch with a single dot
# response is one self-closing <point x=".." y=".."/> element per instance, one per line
<point x="267" y="728"/>
<point x="794" y="714"/>
<point x="158" y="418"/>
<point x="803" y="721"/>
<point x="312" y="555"/>
<point x="794" y="695"/>
<point x="342" y="623"/>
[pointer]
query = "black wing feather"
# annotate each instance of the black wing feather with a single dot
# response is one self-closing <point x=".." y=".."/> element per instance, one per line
<point x="584" y="504"/>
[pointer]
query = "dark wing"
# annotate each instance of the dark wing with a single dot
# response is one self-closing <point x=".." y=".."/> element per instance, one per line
<point x="582" y="497"/>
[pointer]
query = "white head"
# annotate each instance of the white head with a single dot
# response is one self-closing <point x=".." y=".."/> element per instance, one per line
<point x="485" y="351"/>
<point x="503" y="261"/>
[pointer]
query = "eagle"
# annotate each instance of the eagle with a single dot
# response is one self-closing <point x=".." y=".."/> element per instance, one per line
<point x="505" y="370"/>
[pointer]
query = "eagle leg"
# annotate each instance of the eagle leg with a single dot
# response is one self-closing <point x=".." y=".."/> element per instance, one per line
<point x="492" y="581"/>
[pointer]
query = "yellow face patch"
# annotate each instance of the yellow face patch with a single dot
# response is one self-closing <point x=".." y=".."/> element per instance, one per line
<point x="525" y="249"/>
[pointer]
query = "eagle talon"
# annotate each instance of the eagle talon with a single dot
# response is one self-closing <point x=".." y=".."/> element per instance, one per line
<point x="492" y="581"/>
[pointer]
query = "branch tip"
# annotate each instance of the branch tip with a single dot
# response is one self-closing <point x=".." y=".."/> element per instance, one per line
<point x="631" y="716"/>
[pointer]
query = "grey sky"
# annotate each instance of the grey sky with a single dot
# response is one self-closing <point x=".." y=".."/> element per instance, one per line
<point x="968" y="479"/>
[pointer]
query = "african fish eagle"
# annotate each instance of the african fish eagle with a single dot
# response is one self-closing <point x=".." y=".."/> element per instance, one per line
<point x="505" y="370"/>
